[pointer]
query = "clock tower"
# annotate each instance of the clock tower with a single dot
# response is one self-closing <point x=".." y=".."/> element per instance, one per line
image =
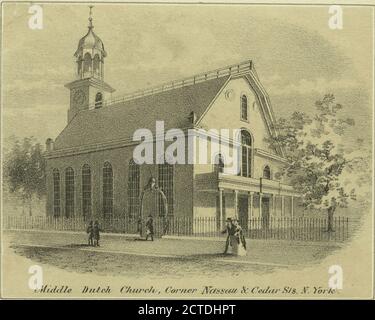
<point x="89" y="90"/>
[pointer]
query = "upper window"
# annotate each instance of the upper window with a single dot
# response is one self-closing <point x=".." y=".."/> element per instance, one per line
<point x="69" y="192"/>
<point x="56" y="192"/>
<point x="246" y="153"/>
<point x="244" y="109"/>
<point x="133" y="188"/>
<point x="98" y="100"/>
<point x="86" y="190"/>
<point x="267" y="172"/>
<point x="96" y="64"/>
<point x="86" y="62"/>
<point x="107" y="188"/>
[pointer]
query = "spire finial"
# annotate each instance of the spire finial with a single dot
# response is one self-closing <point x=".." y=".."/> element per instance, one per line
<point x="90" y="18"/>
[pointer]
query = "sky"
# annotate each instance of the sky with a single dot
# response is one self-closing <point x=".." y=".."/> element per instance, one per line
<point x="297" y="56"/>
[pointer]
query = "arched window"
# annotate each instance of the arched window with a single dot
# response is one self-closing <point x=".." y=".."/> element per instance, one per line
<point x="107" y="188"/>
<point x="79" y="63"/>
<point x="86" y="190"/>
<point x="165" y="179"/>
<point x="86" y="63"/>
<point x="267" y="172"/>
<point x="244" y="109"/>
<point x="219" y="163"/>
<point x="96" y="65"/>
<point x="246" y="157"/>
<point x="133" y="188"/>
<point x="56" y="192"/>
<point x="69" y="192"/>
<point x="98" y="100"/>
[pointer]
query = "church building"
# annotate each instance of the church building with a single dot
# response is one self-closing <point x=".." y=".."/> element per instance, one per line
<point x="91" y="171"/>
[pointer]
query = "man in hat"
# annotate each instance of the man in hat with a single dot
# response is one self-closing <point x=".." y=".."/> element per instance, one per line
<point x="90" y="232"/>
<point x="150" y="228"/>
<point x="230" y="230"/>
<point x="96" y="231"/>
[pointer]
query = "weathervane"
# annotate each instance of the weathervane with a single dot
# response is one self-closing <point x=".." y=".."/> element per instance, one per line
<point x="90" y="18"/>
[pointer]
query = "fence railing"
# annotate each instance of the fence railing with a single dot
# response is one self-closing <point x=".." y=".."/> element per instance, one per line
<point x="282" y="228"/>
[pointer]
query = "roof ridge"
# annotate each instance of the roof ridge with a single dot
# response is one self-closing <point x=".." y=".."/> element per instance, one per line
<point x="230" y="70"/>
<point x="123" y="119"/>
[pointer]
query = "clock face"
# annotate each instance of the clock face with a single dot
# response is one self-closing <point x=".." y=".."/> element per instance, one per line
<point x="79" y="97"/>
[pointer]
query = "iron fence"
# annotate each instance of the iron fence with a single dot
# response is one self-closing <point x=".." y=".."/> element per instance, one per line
<point x="278" y="228"/>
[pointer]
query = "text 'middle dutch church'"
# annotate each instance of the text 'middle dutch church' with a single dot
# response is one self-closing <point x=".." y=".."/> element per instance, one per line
<point x="90" y="166"/>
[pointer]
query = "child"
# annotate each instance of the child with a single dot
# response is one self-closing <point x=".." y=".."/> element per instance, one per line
<point x="96" y="231"/>
<point x="150" y="228"/>
<point x="90" y="232"/>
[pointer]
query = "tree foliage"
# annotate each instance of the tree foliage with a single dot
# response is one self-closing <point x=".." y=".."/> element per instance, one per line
<point x="318" y="161"/>
<point x="24" y="170"/>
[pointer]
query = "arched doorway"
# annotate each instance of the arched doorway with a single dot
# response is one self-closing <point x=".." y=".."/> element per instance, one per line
<point x="150" y="206"/>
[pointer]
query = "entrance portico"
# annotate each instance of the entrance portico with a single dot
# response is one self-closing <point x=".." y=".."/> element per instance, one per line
<point x="254" y="198"/>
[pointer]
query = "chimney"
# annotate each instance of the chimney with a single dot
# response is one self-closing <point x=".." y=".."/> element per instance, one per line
<point x="192" y="117"/>
<point x="49" y="145"/>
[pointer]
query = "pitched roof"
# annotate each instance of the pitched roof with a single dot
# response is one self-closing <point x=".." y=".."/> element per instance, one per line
<point x="120" y="121"/>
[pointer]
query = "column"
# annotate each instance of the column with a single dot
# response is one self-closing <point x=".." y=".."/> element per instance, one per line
<point x="260" y="205"/>
<point x="250" y="205"/>
<point x="292" y="206"/>
<point x="250" y="210"/>
<point x="282" y="206"/>
<point x="221" y="208"/>
<point x="236" y="203"/>
<point x="273" y="196"/>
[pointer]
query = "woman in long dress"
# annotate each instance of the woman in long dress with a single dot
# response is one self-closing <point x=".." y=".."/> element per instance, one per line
<point x="239" y="243"/>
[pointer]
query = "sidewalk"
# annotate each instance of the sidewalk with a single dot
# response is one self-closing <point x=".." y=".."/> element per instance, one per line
<point x="269" y="252"/>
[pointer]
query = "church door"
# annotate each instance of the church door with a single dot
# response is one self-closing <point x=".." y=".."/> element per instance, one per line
<point x="243" y="214"/>
<point x="265" y="212"/>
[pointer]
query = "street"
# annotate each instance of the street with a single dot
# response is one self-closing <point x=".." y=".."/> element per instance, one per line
<point x="174" y="258"/>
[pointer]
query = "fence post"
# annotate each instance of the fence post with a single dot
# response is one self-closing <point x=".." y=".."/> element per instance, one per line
<point x="320" y="229"/>
<point x="290" y="228"/>
<point x="314" y="229"/>
<point x="195" y="229"/>
<point x="335" y="227"/>
<point x="347" y="228"/>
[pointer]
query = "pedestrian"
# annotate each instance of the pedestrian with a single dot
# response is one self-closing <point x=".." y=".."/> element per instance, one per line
<point x="239" y="247"/>
<point x="165" y="226"/>
<point x="150" y="228"/>
<point x="96" y="231"/>
<point x="90" y="232"/>
<point x="229" y="230"/>
<point x="139" y="226"/>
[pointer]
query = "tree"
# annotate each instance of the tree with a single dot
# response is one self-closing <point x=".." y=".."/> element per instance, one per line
<point x="24" y="170"/>
<point x="318" y="161"/>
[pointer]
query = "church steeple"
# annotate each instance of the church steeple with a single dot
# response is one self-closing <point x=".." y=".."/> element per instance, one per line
<point x="89" y="90"/>
<point x="90" y="54"/>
